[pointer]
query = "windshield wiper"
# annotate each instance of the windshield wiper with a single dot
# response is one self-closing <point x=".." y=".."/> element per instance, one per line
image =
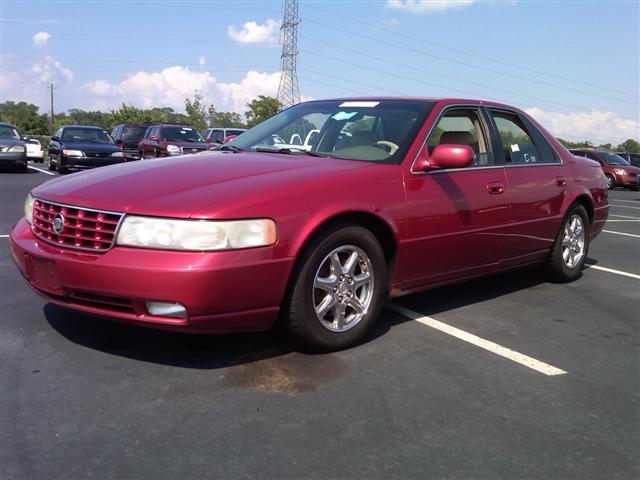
<point x="289" y="151"/>
<point x="231" y="148"/>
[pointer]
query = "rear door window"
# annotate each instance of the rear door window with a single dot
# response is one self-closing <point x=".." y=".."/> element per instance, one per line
<point x="517" y="144"/>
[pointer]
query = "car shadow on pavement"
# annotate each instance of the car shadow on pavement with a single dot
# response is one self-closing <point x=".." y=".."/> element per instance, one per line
<point x="199" y="351"/>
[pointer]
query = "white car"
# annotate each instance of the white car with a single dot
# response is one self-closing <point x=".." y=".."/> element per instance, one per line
<point x="34" y="150"/>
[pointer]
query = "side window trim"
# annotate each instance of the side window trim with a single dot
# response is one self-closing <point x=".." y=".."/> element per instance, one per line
<point x="538" y="138"/>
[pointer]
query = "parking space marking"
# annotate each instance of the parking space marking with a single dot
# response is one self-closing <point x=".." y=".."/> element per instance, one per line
<point x="623" y="216"/>
<point x="611" y="270"/>
<point x="622" y="233"/>
<point x="623" y="206"/>
<point x="625" y="201"/>
<point x="492" y="347"/>
<point x="636" y="220"/>
<point x="40" y="170"/>
<point x="4" y="236"/>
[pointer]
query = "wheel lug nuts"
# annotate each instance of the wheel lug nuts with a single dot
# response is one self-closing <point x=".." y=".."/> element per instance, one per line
<point x="335" y="289"/>
<point x="341" y="278"/>
<point x="350" y="294"/>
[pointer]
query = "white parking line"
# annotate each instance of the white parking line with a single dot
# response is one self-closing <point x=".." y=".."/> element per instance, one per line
<point x="625" y="201"/>
<point x="623" y="206"/>
<point x="611" y="270"/>
<point x="638" y="220"/>
<point x="40" y="170"/>
<point x="4" y="236"/>
<point x="525" y="360"/>
<point x="622" y="216"/>
<point x="622" y="233"/>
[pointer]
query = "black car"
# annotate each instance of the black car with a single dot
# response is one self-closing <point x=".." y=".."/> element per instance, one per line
<point x="127" y="137"/>
<point x="79" y="147"/>
<point x="632" y="158"/>
<point x="13" y="151"/>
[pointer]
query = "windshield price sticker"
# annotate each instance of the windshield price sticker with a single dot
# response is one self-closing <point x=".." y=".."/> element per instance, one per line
<point x="359" y="104"/>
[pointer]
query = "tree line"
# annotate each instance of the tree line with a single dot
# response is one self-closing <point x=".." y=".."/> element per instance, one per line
<point x="198" y="114"/>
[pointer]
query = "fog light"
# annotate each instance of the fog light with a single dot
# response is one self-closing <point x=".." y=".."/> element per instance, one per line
<point x="166" y="309"/>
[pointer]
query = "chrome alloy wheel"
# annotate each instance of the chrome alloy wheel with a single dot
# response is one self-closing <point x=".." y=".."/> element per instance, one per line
<point x="343" y="288"/>
<point x="573" y="241"/>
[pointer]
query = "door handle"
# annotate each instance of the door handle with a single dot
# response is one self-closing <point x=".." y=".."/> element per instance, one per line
<point x="561" y="181"/>
<point x="495" y="188"/>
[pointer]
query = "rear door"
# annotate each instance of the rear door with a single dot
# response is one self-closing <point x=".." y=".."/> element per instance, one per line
<point x="455" y="216"/>
<point x="537" y="183"/>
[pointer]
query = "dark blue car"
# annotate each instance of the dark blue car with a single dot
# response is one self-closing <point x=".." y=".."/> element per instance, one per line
<point x="77" y="147"/>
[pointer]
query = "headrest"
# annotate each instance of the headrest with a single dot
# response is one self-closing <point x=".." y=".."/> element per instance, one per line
<point x="457" y="138"/>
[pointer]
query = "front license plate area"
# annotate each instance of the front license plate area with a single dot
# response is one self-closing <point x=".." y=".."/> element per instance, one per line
<point x="43" y="274"/>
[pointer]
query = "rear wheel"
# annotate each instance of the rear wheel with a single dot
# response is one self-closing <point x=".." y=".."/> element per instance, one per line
<point x="570" y="249"/>
<point x="611" y="184"/>
<point x="338" y="290"/>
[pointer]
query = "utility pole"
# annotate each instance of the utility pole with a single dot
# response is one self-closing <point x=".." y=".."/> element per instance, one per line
<point x="51" y="116"/>
<point x="288" y="91"/>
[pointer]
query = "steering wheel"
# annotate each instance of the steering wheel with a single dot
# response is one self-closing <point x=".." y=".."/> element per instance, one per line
<point x="393" y="148"/>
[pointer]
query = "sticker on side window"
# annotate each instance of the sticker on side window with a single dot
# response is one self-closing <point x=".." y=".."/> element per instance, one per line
<point x="344" y="116"/>
<point x="515" y="148"/>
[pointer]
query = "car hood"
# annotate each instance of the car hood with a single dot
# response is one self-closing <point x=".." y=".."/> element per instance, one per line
<point x="91" y="147"/>
<point x="203" y="185"/>
<point x="10" y="142"/>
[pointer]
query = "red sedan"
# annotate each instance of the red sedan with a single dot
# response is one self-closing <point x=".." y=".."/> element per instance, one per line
<point x="393" y="196"/>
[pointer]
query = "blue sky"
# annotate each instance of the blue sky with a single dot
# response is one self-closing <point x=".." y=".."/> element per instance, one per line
<point x="572" y="64"/>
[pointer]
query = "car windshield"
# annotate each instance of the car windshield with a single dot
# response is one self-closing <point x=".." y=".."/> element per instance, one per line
<point x="371" y="130"/>
<point x="9" y="132"/>
<point x="85" y="135"/>
<point x="181" y="134"/>
<point x="133" y="133"/>
<point x="613" y="159"/>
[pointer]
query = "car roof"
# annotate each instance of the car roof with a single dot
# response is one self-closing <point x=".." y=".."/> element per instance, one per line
<point x="88" y="127"/>
<point x="5" y="124"/>
<point x="446" y="100"/>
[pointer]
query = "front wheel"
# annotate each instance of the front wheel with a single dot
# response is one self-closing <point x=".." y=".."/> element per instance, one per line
<point x="611" y="184"/>
<point x="337" y="290"/>
<point x="570" y="249"/>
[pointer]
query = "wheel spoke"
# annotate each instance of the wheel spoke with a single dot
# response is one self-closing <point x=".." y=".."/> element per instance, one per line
<point x="325" y="283"/>
<point x="566" y="252"/>
<point x="356" y="305"/>
<point x="327" y="302"/>
<point x="350" y="264"/>
<point x="340" y="311"/>
<point x="566" y="240"/>
<point x="362" y="279"/>
<point x="336" y="265"/>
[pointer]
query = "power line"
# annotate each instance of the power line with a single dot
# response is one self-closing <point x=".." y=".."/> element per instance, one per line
<point x="471" y="54"/>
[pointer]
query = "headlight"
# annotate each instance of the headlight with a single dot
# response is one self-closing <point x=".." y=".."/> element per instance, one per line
<point x="28" y="209"/>
<point x="16" y="149"/>
<point x="173" y="149"/>
<point x="117" y="154"/>
<point x="198" y="235"/>
<point x="72" y="153"/>
<point x="619" y="171"/>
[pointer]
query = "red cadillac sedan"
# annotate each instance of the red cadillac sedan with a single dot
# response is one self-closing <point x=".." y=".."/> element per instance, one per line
<point x="395" y="195"/>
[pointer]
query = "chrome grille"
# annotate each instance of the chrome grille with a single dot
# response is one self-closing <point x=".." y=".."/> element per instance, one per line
<point x="83" y="229"/>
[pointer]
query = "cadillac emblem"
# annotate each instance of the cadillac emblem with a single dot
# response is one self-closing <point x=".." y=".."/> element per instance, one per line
<point x="58" y="224"/>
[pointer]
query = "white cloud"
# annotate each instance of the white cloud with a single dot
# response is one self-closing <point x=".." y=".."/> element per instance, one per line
<point x="596" y="126"/>
<point x="40" y="39"/>
<point x="202" y="60"/>
<point x="237" y="95"/>
<point x="252" y="32"/>
<point x="167" y="87"/>
<point x="426" y="6"/>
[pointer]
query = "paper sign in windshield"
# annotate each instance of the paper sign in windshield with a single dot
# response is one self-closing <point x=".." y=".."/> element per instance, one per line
<point x="359" y="104"/>
<point x="344" y="116"/>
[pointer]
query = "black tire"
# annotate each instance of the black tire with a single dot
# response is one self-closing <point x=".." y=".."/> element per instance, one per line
<point x="24" y="168"/>
<point x="556" y="267"/>
<point x="62" y="170"/>
<point x="140" y="155"/>
<point x="611" y="183"/>
<point x="298" y="310"/>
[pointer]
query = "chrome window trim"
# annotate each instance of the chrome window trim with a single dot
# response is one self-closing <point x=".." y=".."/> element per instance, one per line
<point x="73" y="247"/>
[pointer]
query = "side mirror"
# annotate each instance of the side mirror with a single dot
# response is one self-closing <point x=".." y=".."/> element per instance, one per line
<point x="153" y="138"/>
<point x="55" y="139"/>
<point x="448" y="156"/>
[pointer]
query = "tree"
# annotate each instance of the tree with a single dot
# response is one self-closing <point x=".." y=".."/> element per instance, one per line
<point x="25" y="117"/>
<point x="260" y="109"/>
<point x="582" y="144"/>
<point x="197" y="111"/>
<point x="224" y="119"/>
<point x="630" y="146"/>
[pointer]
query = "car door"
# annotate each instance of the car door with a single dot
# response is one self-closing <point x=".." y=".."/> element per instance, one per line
<point x="150" y="142"/>
<point x="54" y="146"/>
<point x="537" y="184"/>
<point x="456" y="216"/>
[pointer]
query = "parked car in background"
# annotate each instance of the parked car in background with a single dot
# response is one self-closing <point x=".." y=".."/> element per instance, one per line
<point x="167" y="140"/>
<point x="219" y="135"/>
<point x="13" y="151"/>
<point x="34" y="150"/>
<point x="617" y="170"/>
<point x="127" y="137"/>
<point x="422" y="192"/>
<point x="632" y="158"/>
<point x="78" y="147"/>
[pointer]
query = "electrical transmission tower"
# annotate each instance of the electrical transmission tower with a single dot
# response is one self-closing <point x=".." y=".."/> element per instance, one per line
<point x="288" y="91"/>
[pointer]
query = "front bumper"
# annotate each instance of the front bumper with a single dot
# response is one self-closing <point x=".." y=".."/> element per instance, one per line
<point x="222" y="291"/>
<point x="82" y="163"/>
<point x="13" y="158"/>
<point x="627" y="180"/>
<point x="35" y="154"/>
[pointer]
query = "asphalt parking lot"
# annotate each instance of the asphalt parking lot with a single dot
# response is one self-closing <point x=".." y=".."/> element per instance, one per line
<point x="507" y="377"/>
